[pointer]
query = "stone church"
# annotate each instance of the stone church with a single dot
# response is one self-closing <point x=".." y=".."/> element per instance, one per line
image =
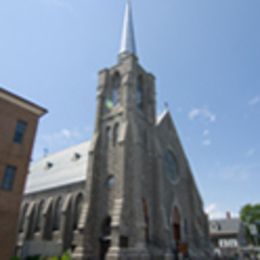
<point x="129" y="192"/>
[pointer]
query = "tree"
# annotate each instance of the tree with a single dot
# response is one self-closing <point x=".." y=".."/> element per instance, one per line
<point x="250" y="215"/>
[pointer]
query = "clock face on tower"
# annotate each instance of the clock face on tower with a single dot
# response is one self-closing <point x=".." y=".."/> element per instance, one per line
<point x="170" y="166"/>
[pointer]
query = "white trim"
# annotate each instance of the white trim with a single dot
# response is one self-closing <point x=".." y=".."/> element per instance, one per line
<point x="22" y="103"/>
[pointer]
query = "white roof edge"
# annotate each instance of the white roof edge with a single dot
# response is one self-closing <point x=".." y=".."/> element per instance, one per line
<point x="161" y="116"/>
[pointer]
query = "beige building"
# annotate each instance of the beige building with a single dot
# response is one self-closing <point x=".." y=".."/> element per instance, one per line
<point x="129" y="193"/>
<point x="19" y="119"/>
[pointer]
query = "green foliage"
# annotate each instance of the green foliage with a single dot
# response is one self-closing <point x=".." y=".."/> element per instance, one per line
<point x="15" y="258"/>
<point x="250" y="214"/>
<point x="66" y="256"/>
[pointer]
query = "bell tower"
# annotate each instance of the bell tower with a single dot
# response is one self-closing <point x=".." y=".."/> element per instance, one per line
<point x="115" y="219"/>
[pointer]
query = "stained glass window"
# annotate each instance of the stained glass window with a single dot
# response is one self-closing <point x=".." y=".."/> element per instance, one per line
<point x="139" y="93"/>
<point x="170" y="164"/>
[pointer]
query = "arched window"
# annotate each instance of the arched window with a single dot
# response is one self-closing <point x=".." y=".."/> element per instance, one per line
<point x="78" y="209"/>
<point x="115" y="89"/>
<point x="186" y="227"/>
<point x="23" y="217"/>
<point x="29" y="232"/>
<point x="115" y="133"/>
<point x="139" y="93"/>
<point x="170" y="165"/>
<point x="107" y="135"/>
<point x="39" y="216"/>
<point x="57" y="214"/>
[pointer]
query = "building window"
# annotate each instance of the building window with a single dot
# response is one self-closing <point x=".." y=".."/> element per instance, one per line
<point x="78" y="209"/>
<point x="115" y="133"/>
<point x="19" y="132"/>
<point x="170" y="165"/>
<point x="108" y="135"/>
<point x="139" y="93"/>
<point x="76" y="156"/>
<point x="57" y="214"/>
<point x="115" y="89"/>
<point x="146" y="220"/>
<point x="8" y="179"/>
<point x="186" y="227"/>
<point x="48" y="165"/>
<point x="110" y="182"/>
<point x="39" y="216"/>
<point x="219" y="227"/>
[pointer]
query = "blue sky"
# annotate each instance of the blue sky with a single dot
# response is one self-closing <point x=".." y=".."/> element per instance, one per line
<point x="206" y="59"/>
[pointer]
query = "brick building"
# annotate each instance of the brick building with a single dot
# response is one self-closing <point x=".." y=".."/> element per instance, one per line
<point x="18" y="123"/>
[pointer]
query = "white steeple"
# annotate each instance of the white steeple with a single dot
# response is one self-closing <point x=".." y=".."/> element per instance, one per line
<point x="128" y="39"/>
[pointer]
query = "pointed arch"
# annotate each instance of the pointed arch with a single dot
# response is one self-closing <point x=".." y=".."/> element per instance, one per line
<point x="39" y="215"/>
<point x="30" y="221"/>
<point x="57" y="211"/>
<point x="67" y="214"/>
<point x="115" y="133"/>
<point x="107" y="135"/>
<point x="23" y="217"/>
<point x="116" y="81"/>
<point x="77" y="209"/>
<point x="47" y="218"/>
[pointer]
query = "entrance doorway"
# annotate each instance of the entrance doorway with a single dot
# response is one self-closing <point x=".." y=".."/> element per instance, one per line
<point x="176" y="231"/>
<point x="176" y="225"/>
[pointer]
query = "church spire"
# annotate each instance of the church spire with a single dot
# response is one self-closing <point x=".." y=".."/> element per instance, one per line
<point x="128" y="39"/>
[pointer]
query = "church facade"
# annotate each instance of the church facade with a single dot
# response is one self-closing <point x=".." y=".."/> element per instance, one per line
<point x="129" y="193"/>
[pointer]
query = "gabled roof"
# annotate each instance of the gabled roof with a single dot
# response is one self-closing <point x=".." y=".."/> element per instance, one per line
<point x="62" y="168"/>
<point x="224" y="226"/>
